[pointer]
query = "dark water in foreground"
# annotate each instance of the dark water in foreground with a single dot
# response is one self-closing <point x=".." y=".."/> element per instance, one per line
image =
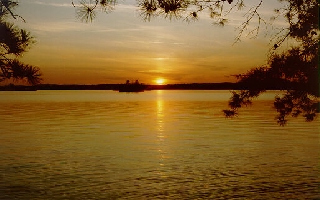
<point x="151" y="145"/>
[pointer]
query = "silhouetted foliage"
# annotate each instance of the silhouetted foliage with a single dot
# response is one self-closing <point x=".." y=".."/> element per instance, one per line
<point x="86" y="9"/>
<point x="295" y="70"/>
<point x="13" y="43"/>
<point x="172" y="9"/>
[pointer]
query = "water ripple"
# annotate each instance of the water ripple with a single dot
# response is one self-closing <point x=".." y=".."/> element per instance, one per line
<point x="105" y="145"/>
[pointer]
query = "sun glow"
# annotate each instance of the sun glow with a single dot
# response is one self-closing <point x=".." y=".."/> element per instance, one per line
<point x="159" y="81"/>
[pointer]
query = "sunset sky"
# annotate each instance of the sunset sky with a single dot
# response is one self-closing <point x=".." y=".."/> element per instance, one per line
<point x="121" y="45"/>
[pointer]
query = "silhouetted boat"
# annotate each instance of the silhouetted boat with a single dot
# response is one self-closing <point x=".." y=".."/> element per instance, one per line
<point x="132" y="87"/>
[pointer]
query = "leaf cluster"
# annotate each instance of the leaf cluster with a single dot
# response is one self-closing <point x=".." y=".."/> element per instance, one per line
<point x="187" y="10"/>
<point x="294" y="71"/>
<point x="86" y="9"/>
<point x="13" y="43"/>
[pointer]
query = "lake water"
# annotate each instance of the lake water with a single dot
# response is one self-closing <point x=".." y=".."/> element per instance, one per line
<point x="152" y="145"/>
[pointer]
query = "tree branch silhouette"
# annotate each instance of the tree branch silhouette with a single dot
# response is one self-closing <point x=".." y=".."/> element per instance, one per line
<point x="294" y="71"/>
<point x="13" y="43"/>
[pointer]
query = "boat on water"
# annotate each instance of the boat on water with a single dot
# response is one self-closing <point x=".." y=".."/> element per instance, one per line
<point x="132" y="87"/>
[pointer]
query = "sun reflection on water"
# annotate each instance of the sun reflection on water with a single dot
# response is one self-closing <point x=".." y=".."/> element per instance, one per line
<point x="161" y="134"/>
<point x="160" y="114"/>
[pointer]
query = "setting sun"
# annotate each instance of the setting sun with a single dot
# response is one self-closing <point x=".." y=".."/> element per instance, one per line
<point x="160" y="81"/>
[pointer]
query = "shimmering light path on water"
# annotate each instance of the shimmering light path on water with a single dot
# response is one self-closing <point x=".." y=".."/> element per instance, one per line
<point x="151" y="145"/>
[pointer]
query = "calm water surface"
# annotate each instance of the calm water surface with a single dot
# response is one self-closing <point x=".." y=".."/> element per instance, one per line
<point x="152" y="145"/>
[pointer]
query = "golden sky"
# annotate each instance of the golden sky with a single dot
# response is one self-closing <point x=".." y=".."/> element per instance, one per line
<point x="121" y="45"/>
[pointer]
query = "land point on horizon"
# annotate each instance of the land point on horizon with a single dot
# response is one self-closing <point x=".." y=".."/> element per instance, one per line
<point x="145" y="87"/>
<point x="182" y="86"/>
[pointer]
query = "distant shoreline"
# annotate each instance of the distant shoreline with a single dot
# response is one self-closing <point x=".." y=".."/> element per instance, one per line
<point x="187" y="86"/>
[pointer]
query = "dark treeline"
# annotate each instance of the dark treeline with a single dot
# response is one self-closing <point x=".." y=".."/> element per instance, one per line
<point x="12" y="87"/>
<point x="186" y="86"/>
